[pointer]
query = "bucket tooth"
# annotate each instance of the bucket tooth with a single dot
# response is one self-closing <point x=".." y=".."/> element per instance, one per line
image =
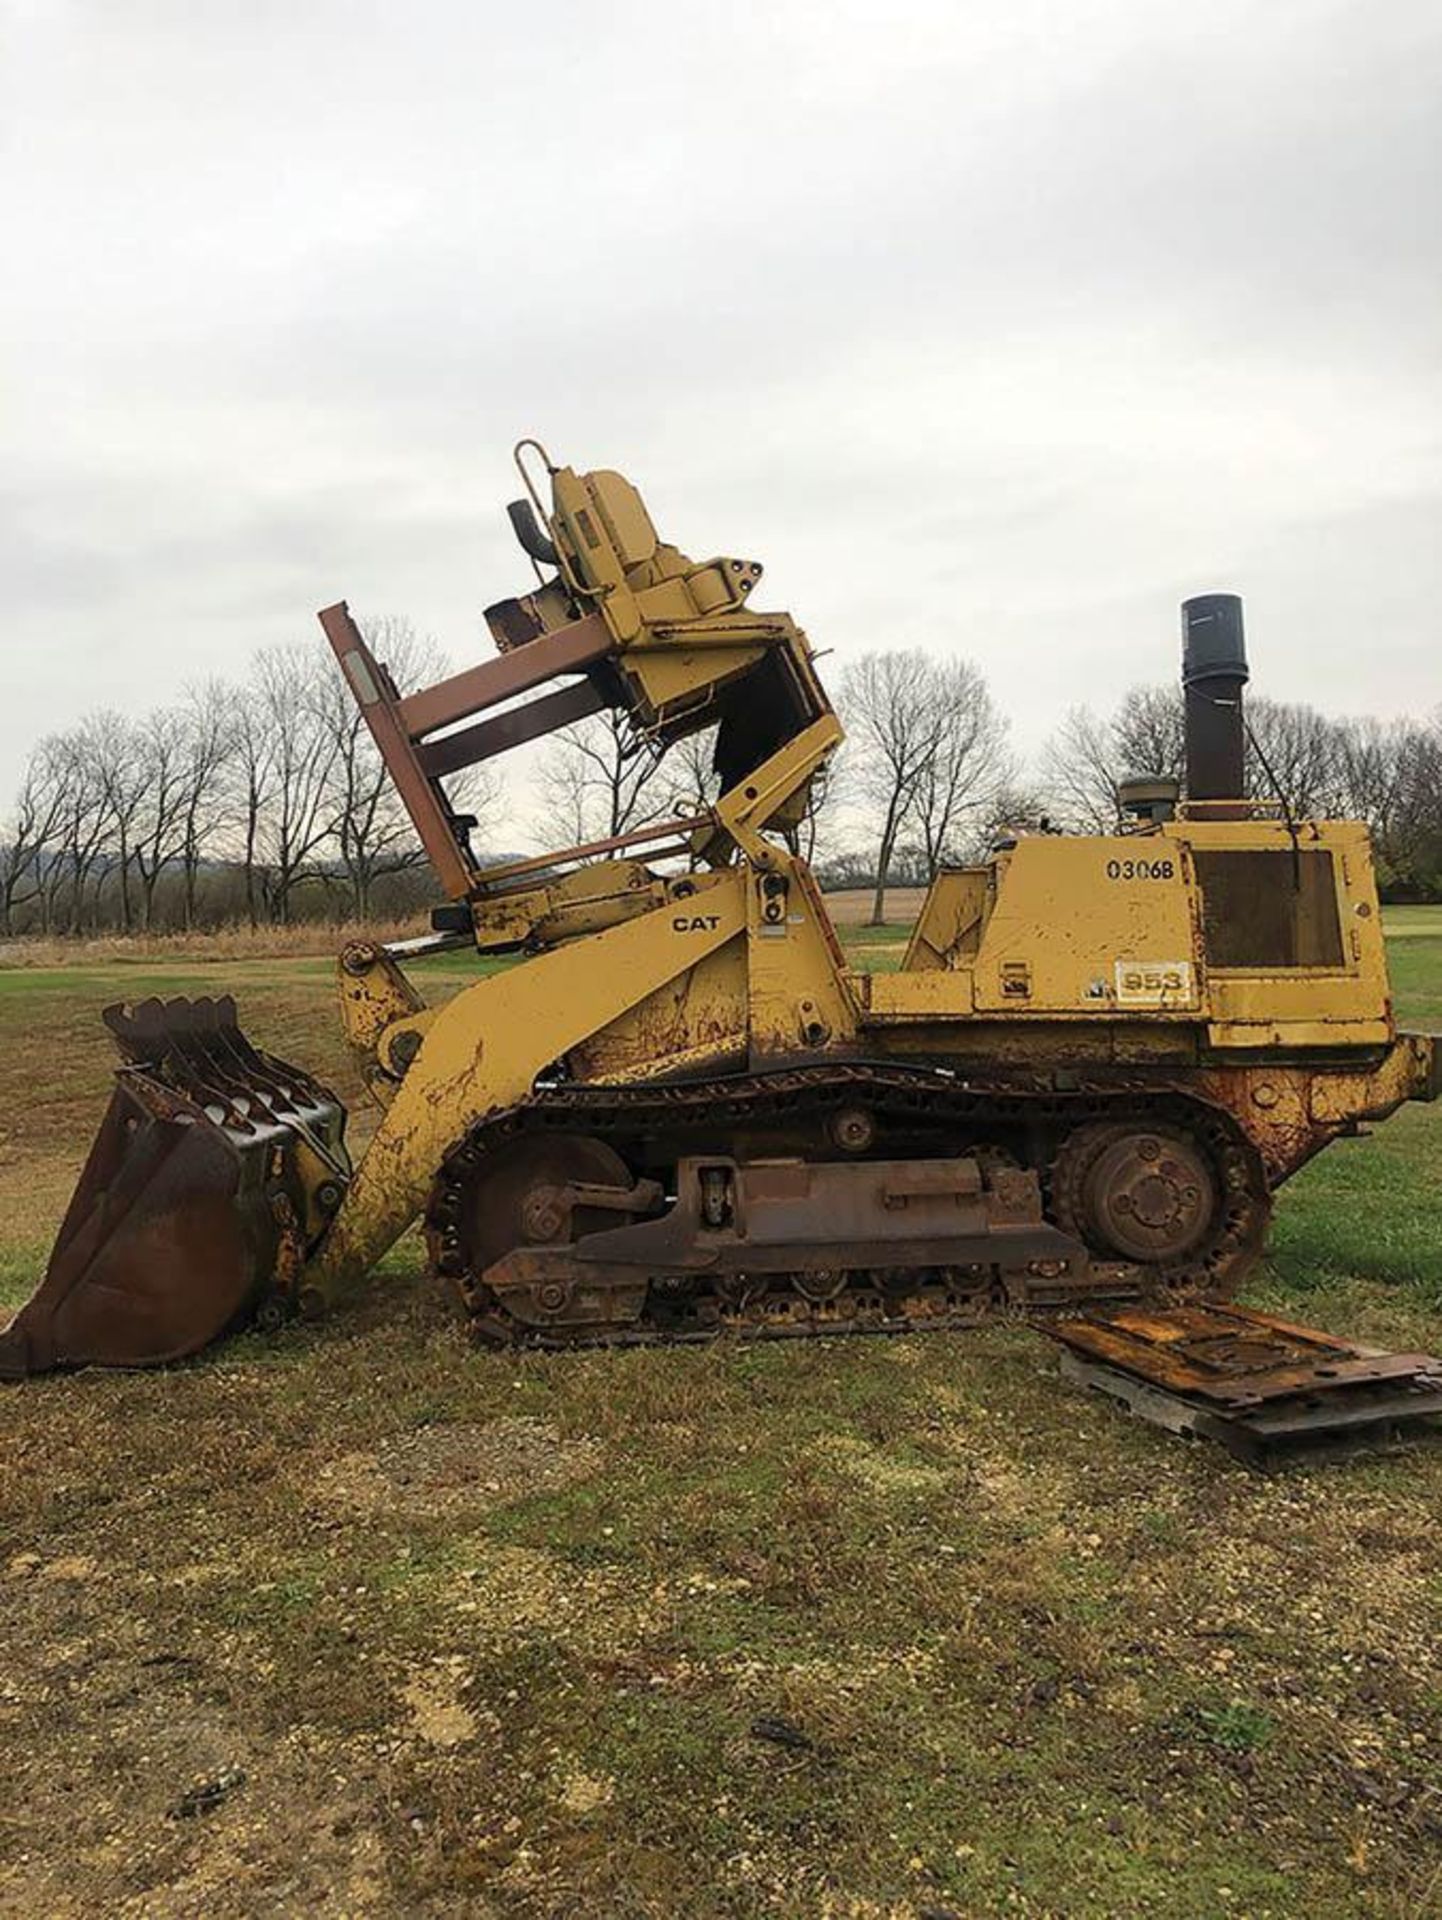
<point x="198" y="1201"/>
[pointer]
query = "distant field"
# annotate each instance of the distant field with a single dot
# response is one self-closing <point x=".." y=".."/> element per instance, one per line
<point x="463" y="1634"/>
<point x="1404" y="923"/>
<point x="852" y="907"/>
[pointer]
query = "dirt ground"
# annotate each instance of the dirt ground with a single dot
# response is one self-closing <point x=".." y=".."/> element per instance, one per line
<point x="852" y="906"/>
<point x="359" y="1621"/>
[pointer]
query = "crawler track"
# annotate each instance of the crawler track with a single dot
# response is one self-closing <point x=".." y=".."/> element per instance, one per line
<point x="915" y="1110"/>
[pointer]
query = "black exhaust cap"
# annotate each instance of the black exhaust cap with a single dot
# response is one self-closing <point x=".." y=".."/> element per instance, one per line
<point x="1214" y="671"/>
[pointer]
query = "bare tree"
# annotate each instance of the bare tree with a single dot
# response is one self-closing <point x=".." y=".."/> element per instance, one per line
<point x="279" y="783"/>
<point x="253" y="771"/>
<point x="1149" y="731"/>
<point x="926" y="745"/>
<point x="886" y="700"/>
<point x="600" y="778"/>
<point x="162" y="752"/>
<point x="1413" y="839"/>
<point x="1088" y="757"/>
<point x="1371" y="765"/>
<point x="1081" y="772"/>
<point x="1298" y="756"/>
<point x="287" y="758"/>
<point x="210" y="737"/>
<point x="969" y="761"/>
<point x="687" y="781"/>
<point x="27" y="843"/>
<point x="114" y="749"/>
<point x="80" y="832"/>
<point x="1294" y="754"/>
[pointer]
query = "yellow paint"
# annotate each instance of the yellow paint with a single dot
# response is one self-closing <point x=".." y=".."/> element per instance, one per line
<point x="1059" y="953"/>
<point x="485" y="1048"/>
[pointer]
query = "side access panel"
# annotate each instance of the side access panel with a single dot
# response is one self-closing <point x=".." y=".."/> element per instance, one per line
<point x="1101" y="926"/>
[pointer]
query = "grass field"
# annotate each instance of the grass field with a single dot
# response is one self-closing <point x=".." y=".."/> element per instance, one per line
<point x="360" y="1621"/>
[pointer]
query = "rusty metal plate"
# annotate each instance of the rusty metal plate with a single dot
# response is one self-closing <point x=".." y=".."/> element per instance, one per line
<point x="1231" y="1356"/>
<point x="1265" y="1388"/>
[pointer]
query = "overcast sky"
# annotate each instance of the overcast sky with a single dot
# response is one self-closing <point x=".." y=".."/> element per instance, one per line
<point x="994" y="327"/>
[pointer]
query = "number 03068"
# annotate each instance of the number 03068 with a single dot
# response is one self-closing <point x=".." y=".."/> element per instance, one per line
<point x="1141" y="869"/>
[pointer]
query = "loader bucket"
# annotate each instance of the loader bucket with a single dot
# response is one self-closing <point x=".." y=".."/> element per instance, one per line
<point x="215" y="1171"/>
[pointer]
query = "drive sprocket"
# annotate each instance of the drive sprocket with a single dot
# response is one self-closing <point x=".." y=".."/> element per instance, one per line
<point x="1178" y="1198"/>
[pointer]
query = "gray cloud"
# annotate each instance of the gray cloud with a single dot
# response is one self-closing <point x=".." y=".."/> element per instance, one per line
<point x="996" y="329"/>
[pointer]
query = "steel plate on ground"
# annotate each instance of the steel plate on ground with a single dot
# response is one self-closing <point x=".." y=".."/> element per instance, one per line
<point x="1265" y="1388"/>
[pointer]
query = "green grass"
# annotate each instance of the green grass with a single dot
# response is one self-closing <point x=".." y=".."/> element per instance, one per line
<point x="1415" y="958"/>
<point x="1367" y="1207"/>
<point x="1359" y="1231"/>
<point x="875" y="949"/>
<point x="491" y="1635"/>
<point x="134" y="979"/>
<point x="1405" y="923"/>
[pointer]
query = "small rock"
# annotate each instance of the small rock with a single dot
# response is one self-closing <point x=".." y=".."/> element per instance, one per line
<point x="438" y="1714"/>
<point x="206" y="1797"/>
<point x="585" y="1793"/>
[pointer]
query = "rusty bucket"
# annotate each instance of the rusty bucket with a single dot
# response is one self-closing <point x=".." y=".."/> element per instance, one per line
<point x="216" y="1169"/>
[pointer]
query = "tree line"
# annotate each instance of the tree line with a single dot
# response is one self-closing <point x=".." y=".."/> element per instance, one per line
<point x="1386" y="773"/>
<point x="263" y="802"/>
<point x="266" y="802"/>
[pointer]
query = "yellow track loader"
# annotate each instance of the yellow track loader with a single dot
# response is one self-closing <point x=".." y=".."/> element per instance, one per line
<point x="679" y="1110"/>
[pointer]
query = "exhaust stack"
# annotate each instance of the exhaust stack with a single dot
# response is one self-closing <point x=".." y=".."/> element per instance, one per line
<point x="1214" y="671"/>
